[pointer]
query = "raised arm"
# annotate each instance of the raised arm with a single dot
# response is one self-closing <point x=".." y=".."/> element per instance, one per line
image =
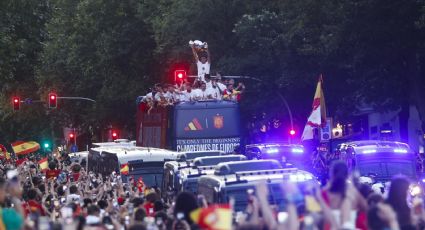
<point x="195" y="54"/>
<point x="208" y="53"/>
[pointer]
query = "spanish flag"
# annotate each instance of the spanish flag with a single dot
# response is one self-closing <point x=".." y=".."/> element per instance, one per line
<point x="214" y="217"/>
<point x="317" y="117"/>
<point x="25" y="147"/>
<point x="44" y="164"/>
<point x="124" y="169"/>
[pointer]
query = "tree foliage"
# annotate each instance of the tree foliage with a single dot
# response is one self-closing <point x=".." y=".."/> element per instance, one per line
<point x="370" y="52"/>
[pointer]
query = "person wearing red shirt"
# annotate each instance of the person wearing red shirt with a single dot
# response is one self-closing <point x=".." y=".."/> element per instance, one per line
<point x="32" y="205"/>
<point x="52" y="172"/>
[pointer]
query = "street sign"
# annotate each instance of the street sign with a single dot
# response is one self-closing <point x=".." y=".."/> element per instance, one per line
<point x="325" y="131"/>
<point x="74" y="149"/>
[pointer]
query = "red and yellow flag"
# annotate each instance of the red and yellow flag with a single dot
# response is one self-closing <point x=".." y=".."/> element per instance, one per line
<point x="124" y="169"/>
<point x="3" y="151"/>
<point x="25" y="147"/>
<point x="317" y="117"/>
<point x="214" y="217"/>
<point x="43" y="164"/>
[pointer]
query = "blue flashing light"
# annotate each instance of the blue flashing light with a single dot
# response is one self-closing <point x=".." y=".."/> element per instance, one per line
<point x="369" y="151"/>
<point x="400" y="150"/>
<point x="273" y="150"/>
<point x="297" y="150"/>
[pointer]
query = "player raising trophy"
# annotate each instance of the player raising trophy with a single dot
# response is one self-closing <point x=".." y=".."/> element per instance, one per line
<point x="202" y="58"/>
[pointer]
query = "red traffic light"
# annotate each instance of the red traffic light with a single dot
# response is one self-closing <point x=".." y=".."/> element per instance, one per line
<point x="179" y="75"/>
<point x="292" y="132"/>
<point x="16" y="101"/>
<point x="72" y="139"/>
<point x="53" y="100"/>
<point x="114" y="135"/>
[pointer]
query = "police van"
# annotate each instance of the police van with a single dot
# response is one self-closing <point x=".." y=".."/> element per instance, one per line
<point x="147" y="163"/>
<point x="183" y="160"/>
<point x="202" y="166"/>
<point x="233" y="180"/>
<point x="286" y="153"/>
<point x="380" y="159"/>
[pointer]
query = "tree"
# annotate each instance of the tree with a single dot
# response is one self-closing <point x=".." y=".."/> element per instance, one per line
<point x="101" y="50"/>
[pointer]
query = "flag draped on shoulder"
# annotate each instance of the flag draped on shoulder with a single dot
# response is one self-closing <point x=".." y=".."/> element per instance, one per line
<point x="317" y="117"/>
<point x="25" y="147"/>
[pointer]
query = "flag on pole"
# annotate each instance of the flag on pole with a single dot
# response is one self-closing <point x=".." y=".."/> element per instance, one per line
<point x="25" y="147"/>
<point x="317" y="117"/>
<point x="124" y="169"/>
<point x="43" y="164"/>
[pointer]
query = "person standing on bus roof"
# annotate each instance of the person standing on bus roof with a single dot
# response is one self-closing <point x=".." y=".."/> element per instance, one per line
<point x="188" y="94"/>
<point x="203" y="61"/>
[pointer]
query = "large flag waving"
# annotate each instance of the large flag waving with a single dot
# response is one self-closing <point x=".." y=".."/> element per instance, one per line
<point x="317" y="117"/>
<point x="25" y="147"/>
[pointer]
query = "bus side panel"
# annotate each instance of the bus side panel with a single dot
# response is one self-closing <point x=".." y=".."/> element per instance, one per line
<point x="151" y="126"/>
<point x="202" y="126"/>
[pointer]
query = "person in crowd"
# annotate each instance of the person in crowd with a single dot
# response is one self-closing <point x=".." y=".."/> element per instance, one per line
<point x="342" y="198"/>
<point x="93" y="216"/>
<point x="231" y="94"/>
<point x="171" y="95"/>
<point x="202" y="61"/>
<point x="188" y="94"/>
<point x="11" y="218"/>
<point x="52" y="172"/>
<point x="381" y="216"/>
<point x="202" y="94"/>
<point x="33" y="204"/>
<point x="185" y="203"/>
<point x="397" y="199"/>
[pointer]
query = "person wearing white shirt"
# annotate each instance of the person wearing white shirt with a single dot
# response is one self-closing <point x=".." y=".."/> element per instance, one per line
<point x="188" y="94"/>
<point x="202" y="62"/>
<point x="202" y="94"/>
<point x="214" y="93"/>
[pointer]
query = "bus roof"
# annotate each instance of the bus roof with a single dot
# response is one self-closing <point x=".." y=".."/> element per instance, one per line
<point x="290" y="174"/>
<point x="117" y="143"/>
<point x="214" y="160"/>
<point x="372" y="146"/>
<point x="226" y="168"/>
<point x="125" y="155"/>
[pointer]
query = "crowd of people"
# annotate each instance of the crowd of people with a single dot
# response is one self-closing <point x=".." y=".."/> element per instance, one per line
<point x="67" y="196"/>
<point x="212" y="88"/>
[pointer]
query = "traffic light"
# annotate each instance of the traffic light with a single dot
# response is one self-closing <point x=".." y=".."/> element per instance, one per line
<point x="292" y="132"/>
<point x="179" y="75"/>
<point x="53" y="100"/>
<point x="114" y="135"/>
<point x="16" y="101"/>
<point x="71" y="138"/>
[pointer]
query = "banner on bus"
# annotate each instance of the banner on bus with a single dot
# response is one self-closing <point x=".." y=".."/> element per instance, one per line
<point x="222" y="144"/>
